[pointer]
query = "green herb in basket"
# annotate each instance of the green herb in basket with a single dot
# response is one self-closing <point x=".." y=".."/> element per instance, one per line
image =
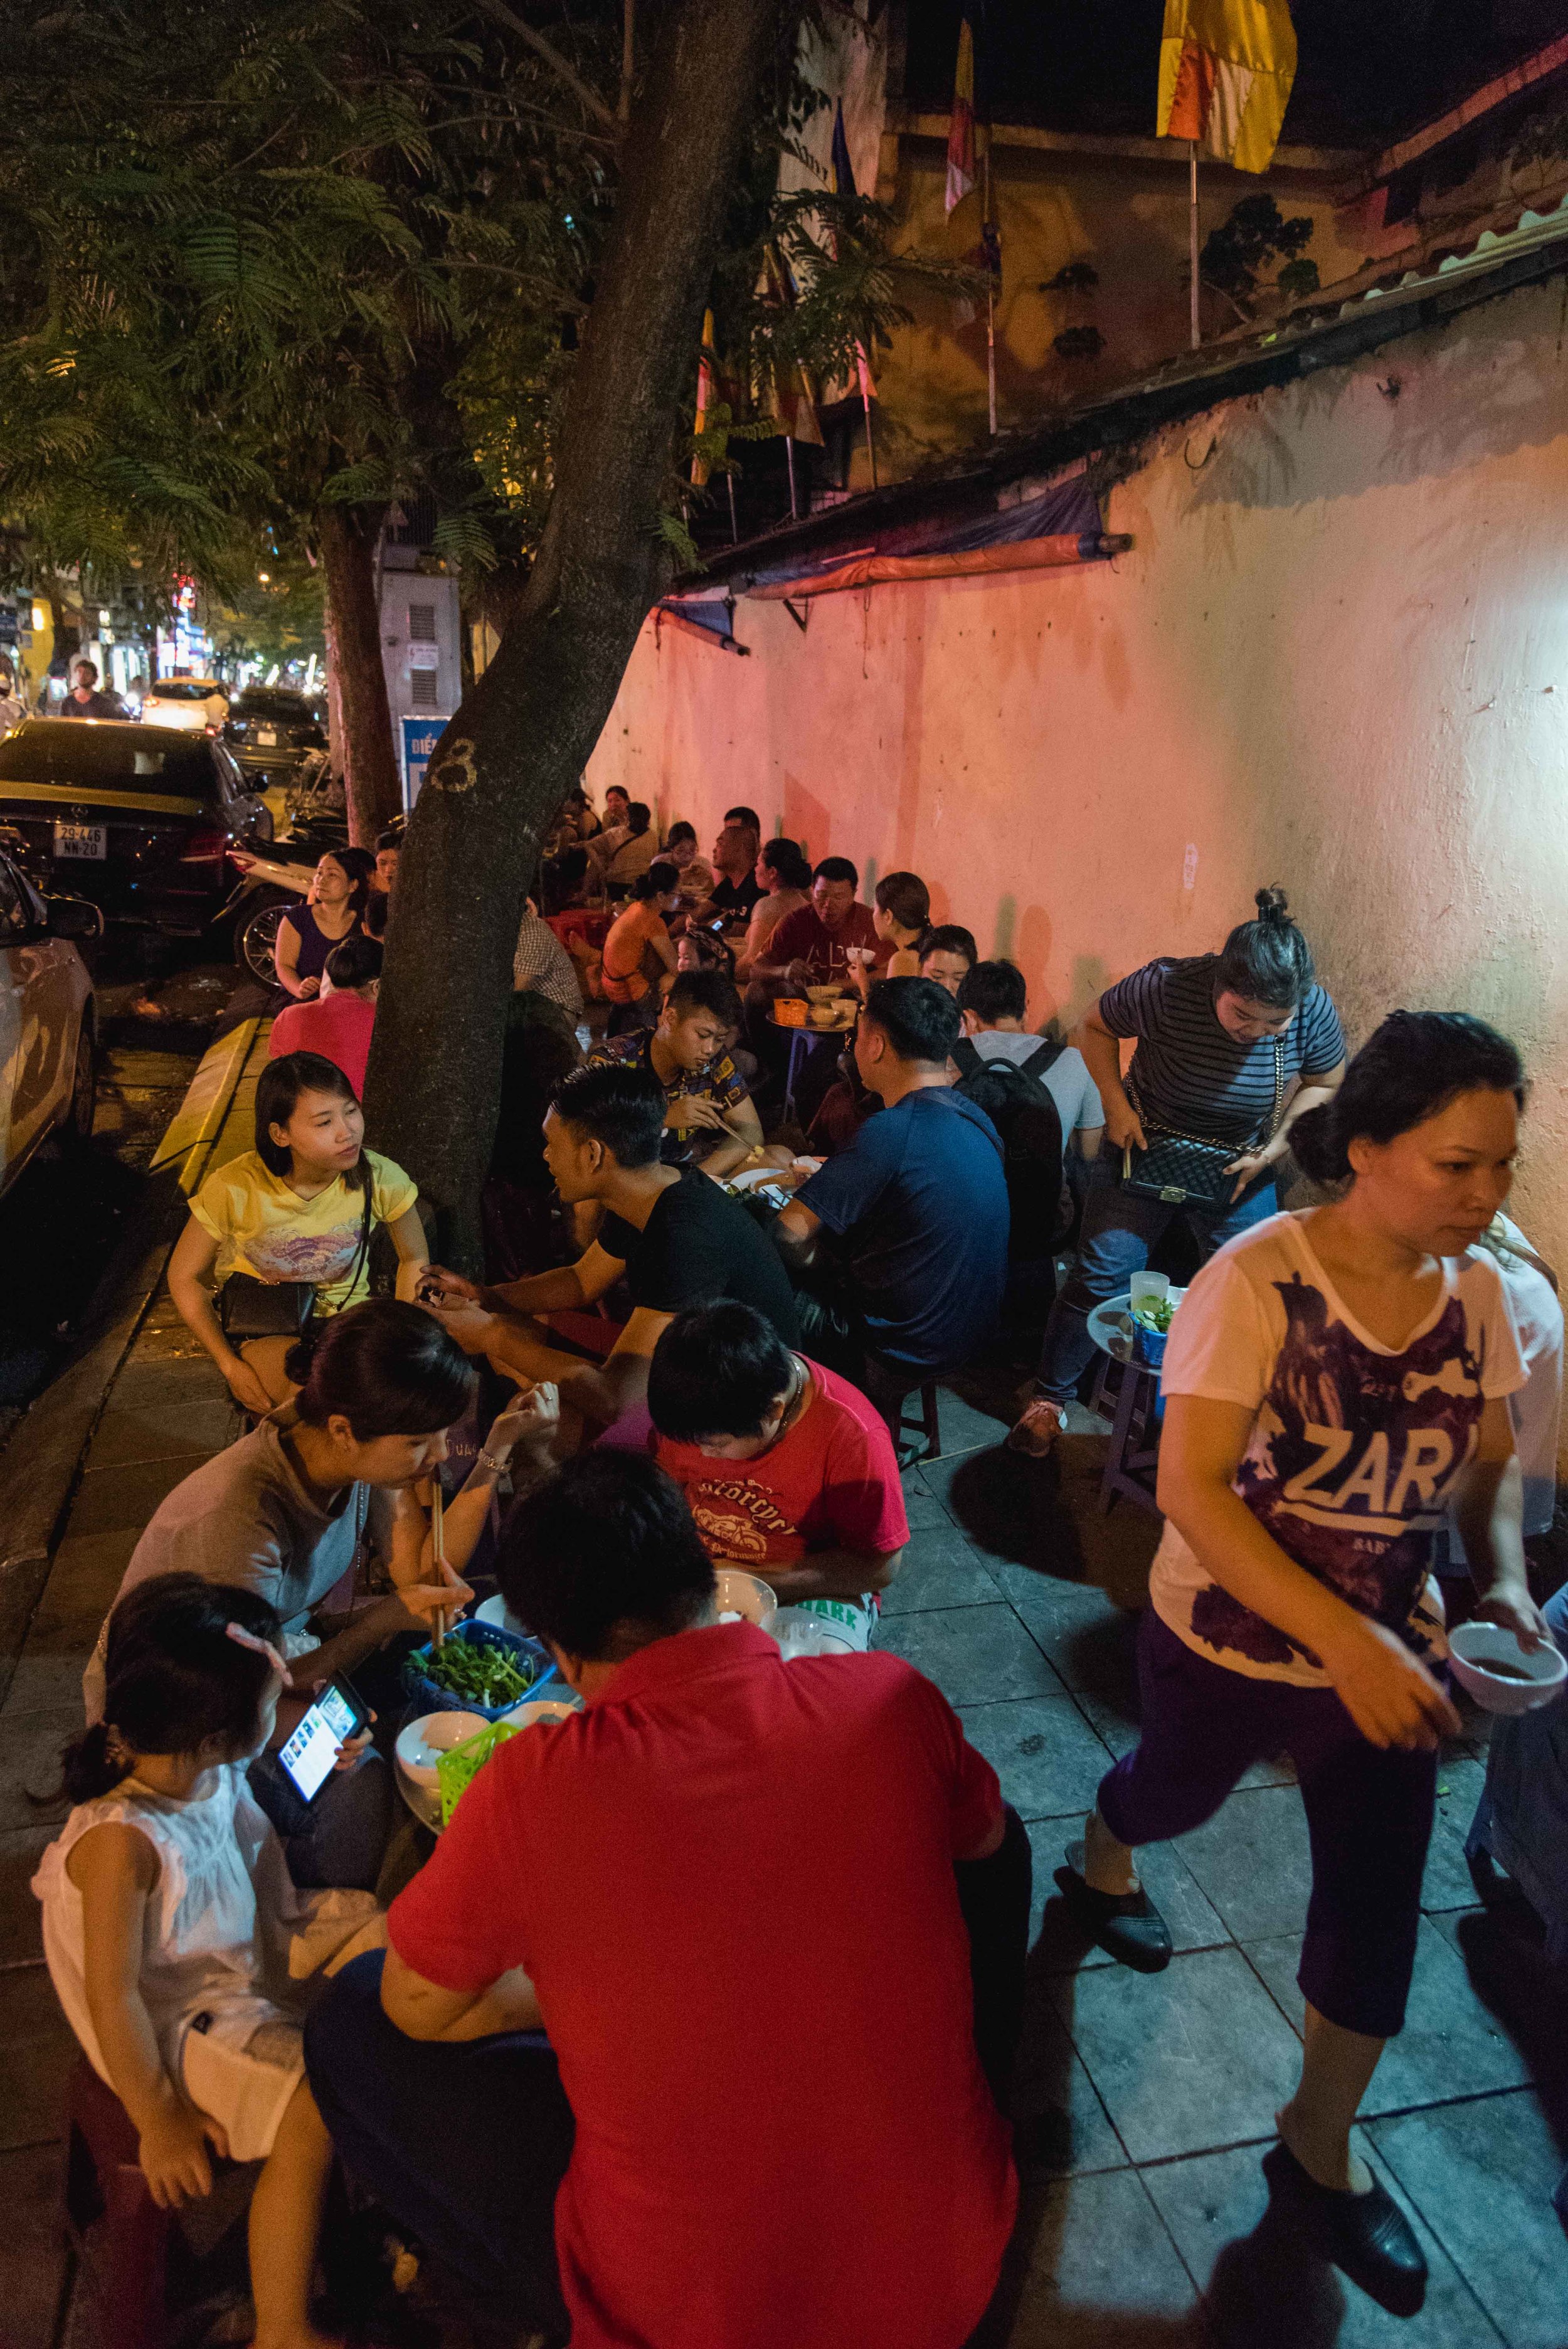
<point x="485" y="1675"/>
<point x="1157" y="1313"/>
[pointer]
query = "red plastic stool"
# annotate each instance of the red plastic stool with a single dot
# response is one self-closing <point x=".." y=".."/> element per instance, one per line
<point x="103" y="2179"/>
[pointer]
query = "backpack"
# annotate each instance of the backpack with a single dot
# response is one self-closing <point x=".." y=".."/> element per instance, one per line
<point x="1022" y="1111"/>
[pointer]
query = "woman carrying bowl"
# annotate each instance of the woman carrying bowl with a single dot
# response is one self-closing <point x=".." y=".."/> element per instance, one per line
<point x="1231" y="1050"/>
<point x="1334" y="1382"/>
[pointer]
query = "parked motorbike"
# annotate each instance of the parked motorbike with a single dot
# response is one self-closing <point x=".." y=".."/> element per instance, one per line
<point x="267" y="887"/>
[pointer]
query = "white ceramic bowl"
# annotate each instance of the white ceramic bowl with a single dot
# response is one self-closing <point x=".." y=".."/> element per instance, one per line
<point x="541" y="1708"/>
<point x="747" y="1595"/>
<point x="419" y="1747"/>
<point x="1476" y="1647"/>
<point x="499" y="1615"/>
<point x="823" y="994"/>
<point x="799" y="1634"/>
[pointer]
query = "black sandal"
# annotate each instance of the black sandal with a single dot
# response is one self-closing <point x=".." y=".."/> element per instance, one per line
<point x="1126" y="1925"/>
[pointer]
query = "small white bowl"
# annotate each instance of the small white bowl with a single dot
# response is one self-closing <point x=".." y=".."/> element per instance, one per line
<point x="543" y="1707"/>
<point x="739" y="1593"/>
<point x="499" y="1615"/>
<point x="419" y="1747"/>
<point x="1476" y="1647"/>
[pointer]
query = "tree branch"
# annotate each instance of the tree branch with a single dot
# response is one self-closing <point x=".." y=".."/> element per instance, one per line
<point x="552" y="58"/>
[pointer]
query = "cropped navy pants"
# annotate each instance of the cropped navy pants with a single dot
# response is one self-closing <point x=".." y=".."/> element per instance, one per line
<point x="1369" y="1812"/>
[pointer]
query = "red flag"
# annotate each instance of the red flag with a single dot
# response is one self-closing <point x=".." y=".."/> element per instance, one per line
<point x="961" y="122"/>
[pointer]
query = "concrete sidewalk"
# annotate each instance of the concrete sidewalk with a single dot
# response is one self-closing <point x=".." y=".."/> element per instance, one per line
<point x="1019" y="1598"/>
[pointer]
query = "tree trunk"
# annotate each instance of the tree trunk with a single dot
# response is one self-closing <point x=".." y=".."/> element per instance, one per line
<point x="518" y="743"/>
<point x="348" y="536"/>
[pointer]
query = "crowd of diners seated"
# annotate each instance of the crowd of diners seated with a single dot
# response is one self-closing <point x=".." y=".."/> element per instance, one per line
<point x="722" y="1246"/>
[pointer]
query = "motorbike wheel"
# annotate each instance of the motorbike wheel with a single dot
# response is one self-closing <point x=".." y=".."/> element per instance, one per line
<point x="256" y="936"/>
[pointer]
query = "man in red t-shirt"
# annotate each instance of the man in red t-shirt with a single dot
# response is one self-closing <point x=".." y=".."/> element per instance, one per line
<point x="809" y="945"/>
<point x="789" y="1470"/>
<point x="735" y="1890"/>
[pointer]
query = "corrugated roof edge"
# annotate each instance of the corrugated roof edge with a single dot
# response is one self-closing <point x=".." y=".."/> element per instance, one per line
<point x="1360" y="314"/>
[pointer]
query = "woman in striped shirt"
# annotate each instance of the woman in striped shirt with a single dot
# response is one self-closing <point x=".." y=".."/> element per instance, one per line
<point x="1222" y="1041"/>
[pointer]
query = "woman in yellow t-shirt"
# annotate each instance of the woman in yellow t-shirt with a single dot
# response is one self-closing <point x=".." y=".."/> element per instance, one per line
<point x="293" y="1209"/>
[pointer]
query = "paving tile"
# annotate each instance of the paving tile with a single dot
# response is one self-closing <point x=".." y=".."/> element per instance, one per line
<point x="1060" y="1948"/>
<point x="113" y="1500"/>
<point x="1445" y="1882"/>
<point x="1063" y="2128"/>
<point x="1045" y="1752"/>
<point x="36" y="2052"/>
<point x="940" y="1569"/>
<point x="1482" y="2174"/>
<point x="921" y="1507"/>
<point x="1254" y="1861"/>
<point x="1090" y="1643"/>
<point x="1451" y="2045"/>
<point x="1451" y="1923"/>
<point x="30" y="1766"/>
<point x="1117" y="1723"/>
<point x="1102" y="2270"/>
<point x="967" y="1425"/>
<point x="971" y="1653"/>
<point x="167" y="1342"/>
<point x="32" y="2243"/>
<point x="82" y="1585"/>
<point x="130" y="1433"/>
<point x="1185" y="2060"/>
<point x="48" y="1678"/>
<point x="172" y="1379"/>
<point x="1262" y="2284"/>
<point x="21" y="1918"/>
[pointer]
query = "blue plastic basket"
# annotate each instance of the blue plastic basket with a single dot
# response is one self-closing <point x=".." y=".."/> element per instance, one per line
<point x="427" y="1695"/>
<point x="1151" y="1344"/>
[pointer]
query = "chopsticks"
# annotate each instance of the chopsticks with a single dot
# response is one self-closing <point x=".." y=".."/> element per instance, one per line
<point x="438" y="1552"/>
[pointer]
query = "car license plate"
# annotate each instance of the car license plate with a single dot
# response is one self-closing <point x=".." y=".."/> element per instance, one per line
<point x="81" y="840"/>
<point x="267" y="734"/>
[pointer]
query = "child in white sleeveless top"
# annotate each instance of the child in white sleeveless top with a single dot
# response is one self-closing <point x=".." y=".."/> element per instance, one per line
<point x="178" y="1945"/>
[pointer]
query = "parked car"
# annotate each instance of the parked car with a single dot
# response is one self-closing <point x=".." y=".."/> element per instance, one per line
<point x="269" y="730"/>
<point x="139" y="819"/>
<point x="197" y="704"/>
<point x="48" y="1032"/>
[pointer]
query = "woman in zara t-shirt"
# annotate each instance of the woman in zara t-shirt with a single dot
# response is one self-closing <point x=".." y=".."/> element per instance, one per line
<point x="1334" y="1382"/>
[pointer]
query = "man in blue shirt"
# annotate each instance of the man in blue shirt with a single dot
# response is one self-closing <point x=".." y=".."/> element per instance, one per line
<point x="903" y="1235"/>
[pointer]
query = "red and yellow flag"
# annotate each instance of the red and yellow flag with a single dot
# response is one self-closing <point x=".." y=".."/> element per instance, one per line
<point x="706" y="391"/>
<point x="1225" y="71"/>
<point x="961" y="122"/>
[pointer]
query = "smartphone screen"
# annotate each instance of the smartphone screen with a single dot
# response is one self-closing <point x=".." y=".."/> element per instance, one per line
<point x="310" y="1752"/>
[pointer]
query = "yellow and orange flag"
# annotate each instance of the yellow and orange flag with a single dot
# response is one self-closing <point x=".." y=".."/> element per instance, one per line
<point x="961" y="143"/>
<point x="706" y="395"/>
<point x="1225" y="71"/>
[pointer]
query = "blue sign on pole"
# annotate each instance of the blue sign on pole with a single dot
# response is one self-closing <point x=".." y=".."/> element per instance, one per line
<point x="420" y="736"/>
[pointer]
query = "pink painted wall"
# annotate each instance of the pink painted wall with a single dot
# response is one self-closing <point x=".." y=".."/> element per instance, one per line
<point x="1336" y="658"/>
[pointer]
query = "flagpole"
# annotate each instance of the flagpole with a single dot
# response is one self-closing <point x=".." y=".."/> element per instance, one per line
<point x="990" y="303"/>
<point x="870" y="436"/>
<point x="734" y="525"/>
<point x="789" y="459"/>
<point x="1192" y="240"/>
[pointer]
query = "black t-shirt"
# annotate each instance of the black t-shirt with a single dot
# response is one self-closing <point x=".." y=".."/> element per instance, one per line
<point x="738" y="897"/>
<point x="699" y="1244"/>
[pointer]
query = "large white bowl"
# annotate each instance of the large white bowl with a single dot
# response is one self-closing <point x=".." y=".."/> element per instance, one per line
<point x="541" y="1708"/>
<point x="419" y="1747"/>
<point x="1475" y="1646"/>
<point x="499" y="1615"/>
<point x="739" y="1593"/>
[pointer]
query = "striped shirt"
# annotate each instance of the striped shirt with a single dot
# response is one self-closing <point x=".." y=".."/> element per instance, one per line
<point x="1189" y="1074"/>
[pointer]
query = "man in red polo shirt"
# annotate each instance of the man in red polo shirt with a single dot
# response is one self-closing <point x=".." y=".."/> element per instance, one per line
<point x="730" y="1884"/>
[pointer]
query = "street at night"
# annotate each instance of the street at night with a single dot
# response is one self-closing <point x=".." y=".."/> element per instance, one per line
<point x="784" y="1175"/>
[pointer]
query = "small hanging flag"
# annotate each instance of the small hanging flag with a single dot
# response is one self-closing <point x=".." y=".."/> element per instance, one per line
<point x="706" y="386"/>
<point x="1225" y="72"/>
<point x="961" y="122"/>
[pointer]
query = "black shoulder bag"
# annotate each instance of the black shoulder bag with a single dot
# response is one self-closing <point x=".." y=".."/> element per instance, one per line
<point x="1189" y="1170"/>
<point x="247" y="1308"/>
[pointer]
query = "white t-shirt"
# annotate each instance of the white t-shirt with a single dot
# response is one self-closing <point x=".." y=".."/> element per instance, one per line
<point x="1068" y="1080"/>
<point x="1355" y="1448"/>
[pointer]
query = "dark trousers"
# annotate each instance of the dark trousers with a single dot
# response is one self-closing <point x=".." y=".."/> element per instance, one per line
<point x="1369" y="1812"/>
<point x="467" y="2145"/>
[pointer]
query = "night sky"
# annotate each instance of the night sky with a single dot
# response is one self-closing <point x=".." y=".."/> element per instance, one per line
<point x="1369" y="69"/>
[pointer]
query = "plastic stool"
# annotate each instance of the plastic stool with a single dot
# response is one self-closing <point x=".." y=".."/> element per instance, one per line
<point x="890" y="1390"/>
<point x="103" y="2178"/>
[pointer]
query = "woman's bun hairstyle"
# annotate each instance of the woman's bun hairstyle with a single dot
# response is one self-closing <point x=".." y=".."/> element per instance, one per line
<point x="1405" y="1073"/>
<point x="1267" y="960"/>
<point x="386" y="1367"/>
